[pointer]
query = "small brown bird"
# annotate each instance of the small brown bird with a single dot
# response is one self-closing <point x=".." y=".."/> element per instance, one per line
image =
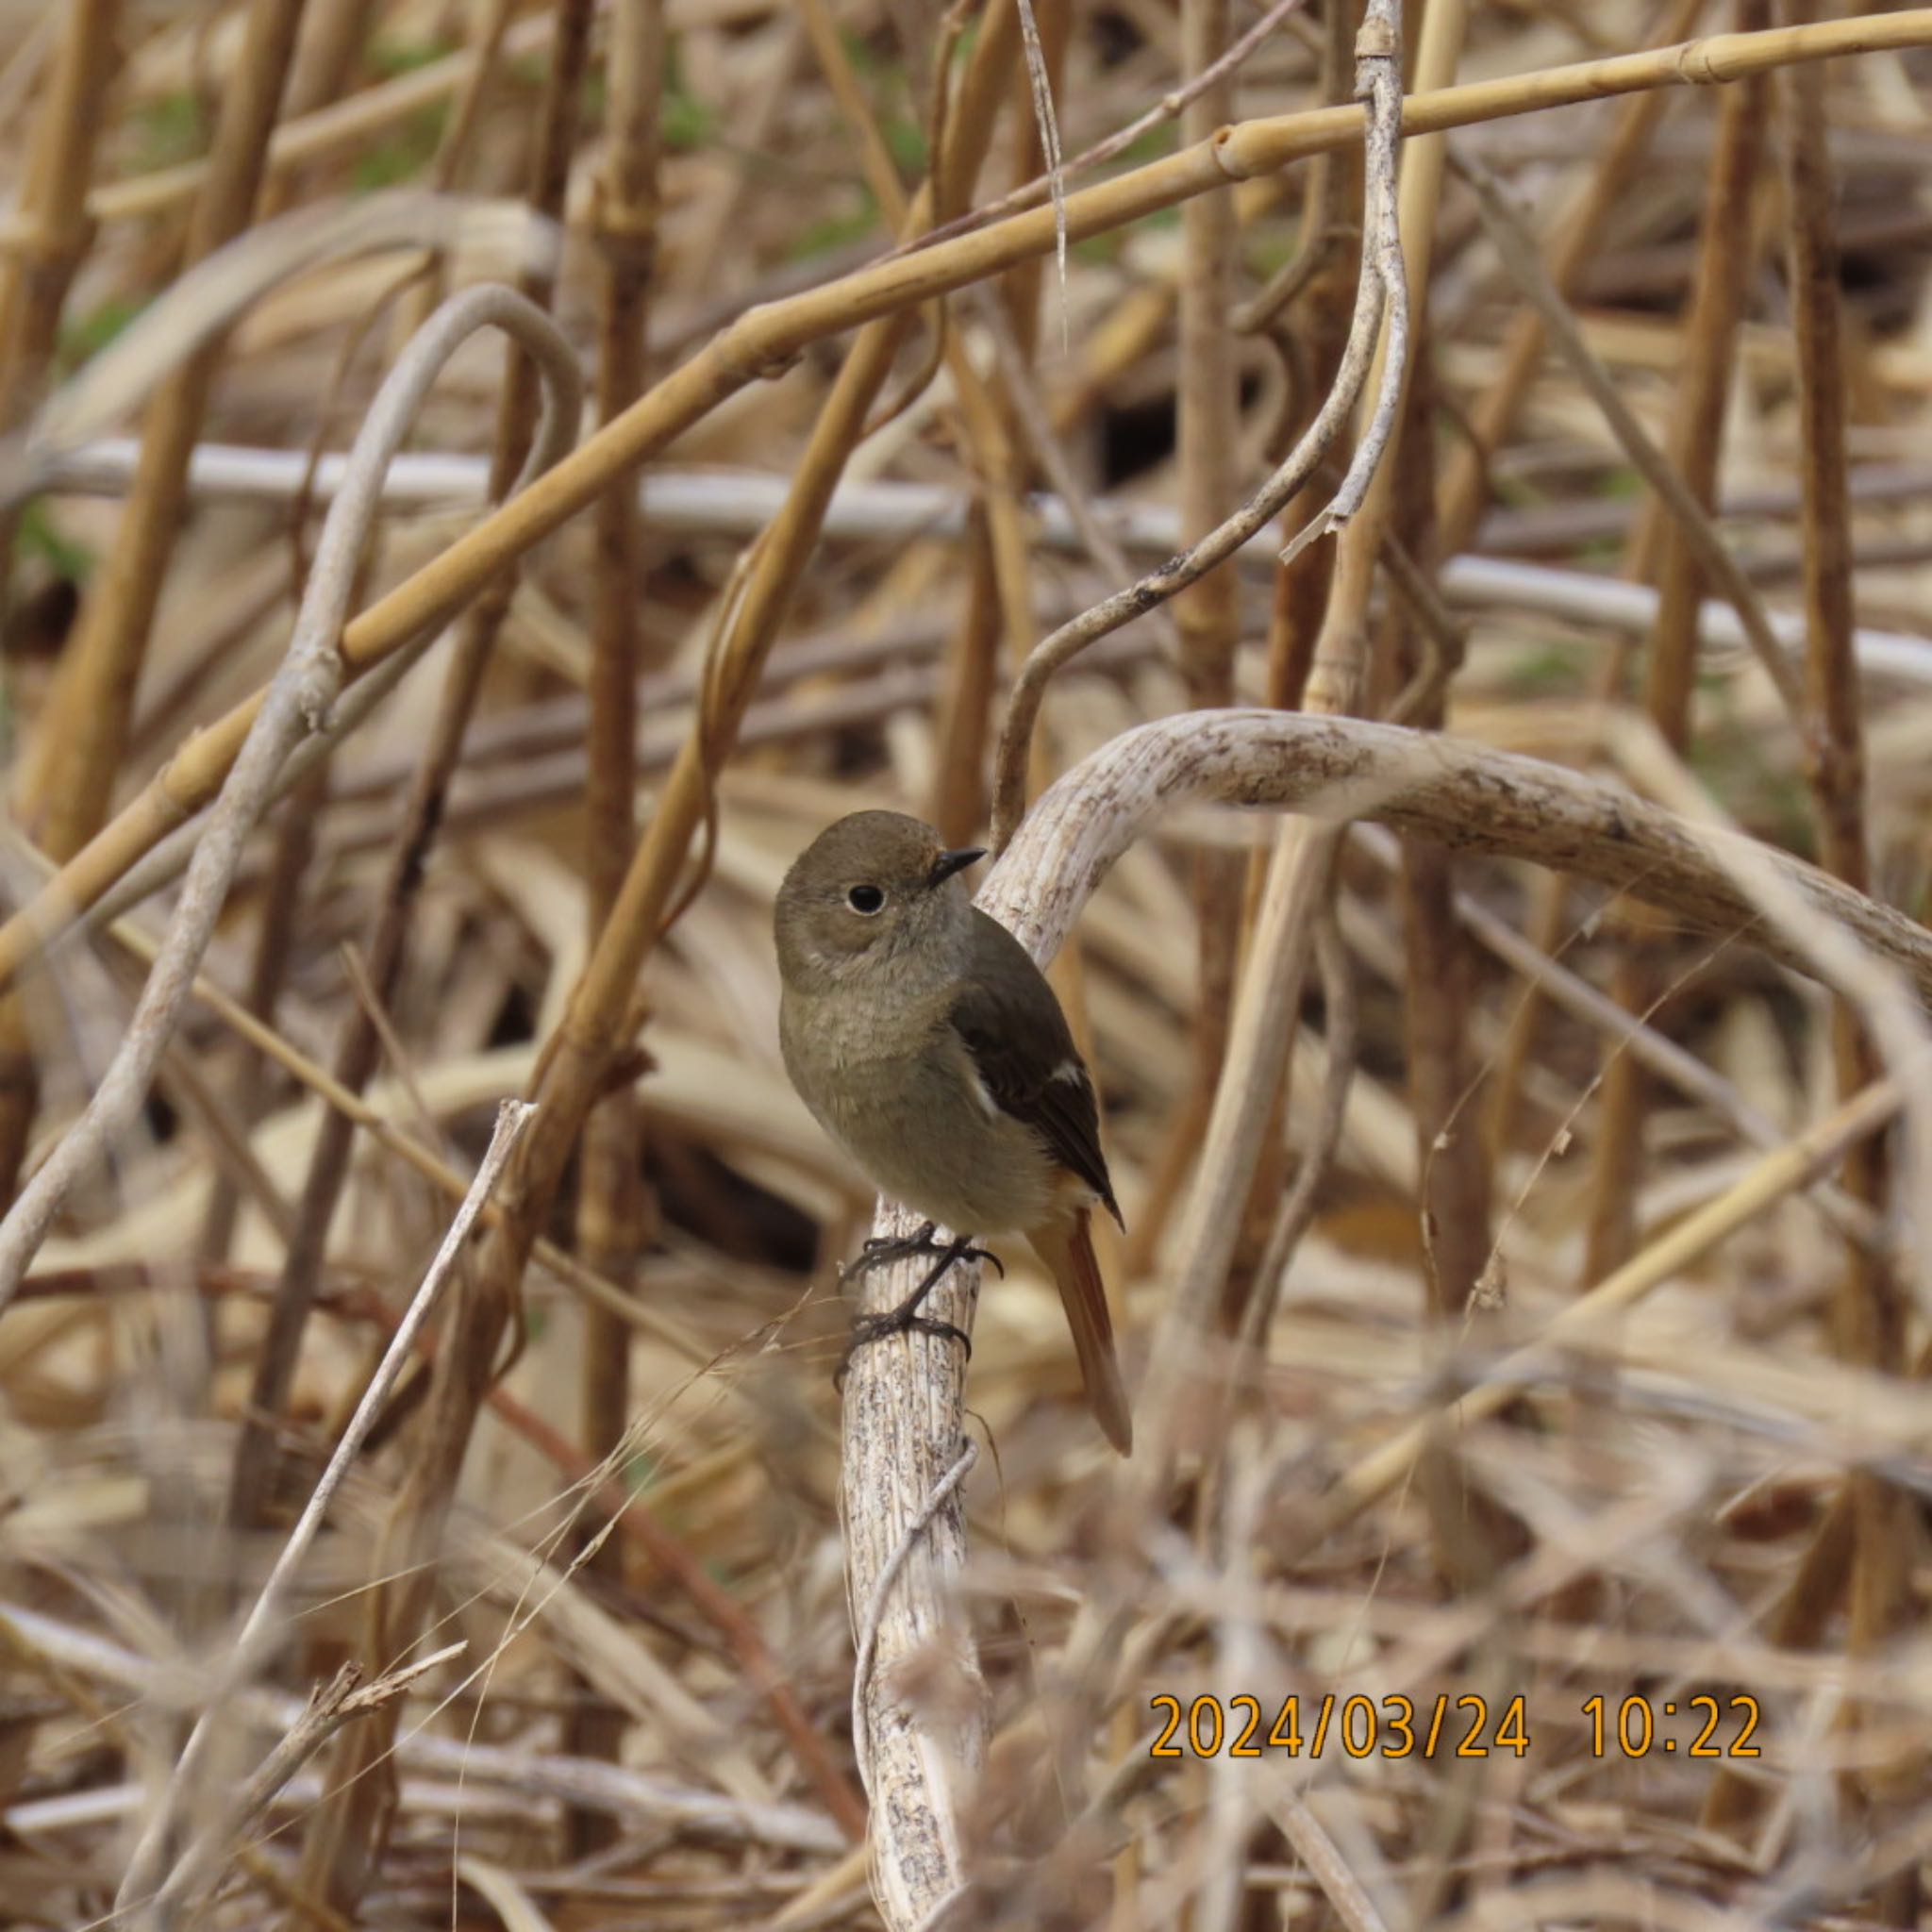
<point x="926" y="1042"/>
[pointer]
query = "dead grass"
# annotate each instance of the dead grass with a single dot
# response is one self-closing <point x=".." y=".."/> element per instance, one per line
<point x="1526" y="1315"/>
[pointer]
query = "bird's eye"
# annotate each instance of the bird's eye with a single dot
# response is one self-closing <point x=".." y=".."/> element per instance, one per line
<point x="866" y="899"/>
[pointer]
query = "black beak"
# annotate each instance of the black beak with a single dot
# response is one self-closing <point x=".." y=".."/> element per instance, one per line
<point x="948" y="863"/>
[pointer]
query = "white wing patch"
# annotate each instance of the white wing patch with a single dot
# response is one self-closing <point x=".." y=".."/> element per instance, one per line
<point x="982" y="1089"/>
<point x="1072" y="1071"/>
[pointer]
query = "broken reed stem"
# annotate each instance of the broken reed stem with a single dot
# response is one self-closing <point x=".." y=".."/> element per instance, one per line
<point x="613" y="1211"/>
<point x="1669" y="668"/>
<point x="198" y="1870"/>
<point x="262" y="1628"/>
<point x="299" y="700"/>
<point x="531" y="380"/>
<point x="767" y="338"/>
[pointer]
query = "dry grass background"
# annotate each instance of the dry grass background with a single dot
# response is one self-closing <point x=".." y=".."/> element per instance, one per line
<point x="1521" y="1287"/>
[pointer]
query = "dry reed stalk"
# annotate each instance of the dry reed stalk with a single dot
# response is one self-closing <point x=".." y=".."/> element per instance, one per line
<point x="305" y="690"/>
<point x="322" y="134"/>
<point x="359" y="1047"/>
<point x="1452" y="1206"/>
<point x="1207" y="448"/>
<point x="1465" y="483"/>
<point x="999" y="590"/>
<point x="81" y="735"/>
<point x="768" y="337"/>
<point x="1397" y="235"/>
<point x="1690" y="511"/>
<point x="1869" y="1315"/>
<point x="903" y="1407"/>
<point x="77" y="752"/>
<point x="54" y="230"/>
<point x="1703" y="390"/>
<point x="614" y="1212"/>
<point x="346" y="1835"/>
<point x="1588" y="1320"/>
<point x="1325" y="268"/>
<point x="34" y="279"/>
<point x="262" y="1629"/>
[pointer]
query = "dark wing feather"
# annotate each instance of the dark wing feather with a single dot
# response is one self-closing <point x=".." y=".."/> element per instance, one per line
<point x="1012" y="1026"/>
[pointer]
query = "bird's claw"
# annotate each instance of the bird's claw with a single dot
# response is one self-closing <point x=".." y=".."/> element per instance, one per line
<point x="881" y="1251"/>
<point x="870" y="1328"/>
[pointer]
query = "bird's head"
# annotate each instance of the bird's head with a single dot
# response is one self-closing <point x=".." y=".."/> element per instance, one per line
<point x="868" y="888"/>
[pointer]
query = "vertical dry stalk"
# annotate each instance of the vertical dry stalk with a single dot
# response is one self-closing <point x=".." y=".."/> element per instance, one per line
<point x="1464" y="492"/>
<point x="1207" y="427"/>
<point x="34" y="278"/>
<point x="613" y="1211"/>
<point x="51" y="214"/>
<point x="77" y="747"/>
<point x="1319" y="320"/>
<point x="1397" y="249"/>
<point x="1709" y="353"/>
<point x="1868" y="1313"/>
<point x="360" y="1046"/>
<point x="339" y="1854"/>
<point x="1438" y="989"/>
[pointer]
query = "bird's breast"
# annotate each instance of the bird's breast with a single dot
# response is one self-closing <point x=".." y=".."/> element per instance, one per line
<point x="905" y="1102"/>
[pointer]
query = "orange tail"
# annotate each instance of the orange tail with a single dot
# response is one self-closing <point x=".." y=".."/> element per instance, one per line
<point x="1067" y="1249"/>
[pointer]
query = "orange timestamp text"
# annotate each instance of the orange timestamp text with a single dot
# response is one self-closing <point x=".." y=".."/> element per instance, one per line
<point x="1359" y="1726"/>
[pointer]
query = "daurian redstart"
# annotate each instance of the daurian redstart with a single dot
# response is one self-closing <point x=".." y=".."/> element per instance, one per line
<point x="926" y="1042"/>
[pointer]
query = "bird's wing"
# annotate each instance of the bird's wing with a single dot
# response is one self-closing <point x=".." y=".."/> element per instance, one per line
<point x="1018" y="1038"/>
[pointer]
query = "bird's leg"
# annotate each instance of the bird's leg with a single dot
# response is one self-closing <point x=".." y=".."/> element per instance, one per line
<point x="906" y="1317"/>
<point x="881" y="1251"/>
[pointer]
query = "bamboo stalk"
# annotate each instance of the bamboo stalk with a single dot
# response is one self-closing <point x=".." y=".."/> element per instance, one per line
<point x="767" y="338"/>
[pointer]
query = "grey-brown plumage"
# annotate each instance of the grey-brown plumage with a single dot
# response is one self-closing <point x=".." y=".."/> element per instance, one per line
<point x="925" y="1041"/>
